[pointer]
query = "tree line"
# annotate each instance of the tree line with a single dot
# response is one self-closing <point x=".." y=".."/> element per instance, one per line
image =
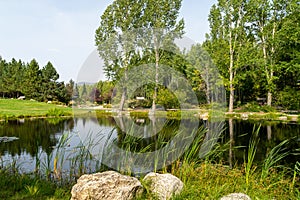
<point x="28" y="79"/>
<point x="254" y="44"/>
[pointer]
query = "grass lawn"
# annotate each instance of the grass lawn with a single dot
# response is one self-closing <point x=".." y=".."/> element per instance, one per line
<point x="13" y="108"/>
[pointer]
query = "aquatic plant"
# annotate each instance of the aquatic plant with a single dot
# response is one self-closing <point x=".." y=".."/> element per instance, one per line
<point x="248" y="163"/>
<point x="276" y="154"/>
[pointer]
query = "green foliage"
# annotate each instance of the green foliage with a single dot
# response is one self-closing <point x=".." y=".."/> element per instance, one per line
<point x="32" y="190"/>
<point x="55" y="113"/>
<point x="18" y="79"/>
<point x="289" y="98"/>
<point x="167" y="99"/>
<point x="249" y="170"/>
<point x="255" y="107"/>
<point x="16" y="186"/>
<point x="278" y="153"/>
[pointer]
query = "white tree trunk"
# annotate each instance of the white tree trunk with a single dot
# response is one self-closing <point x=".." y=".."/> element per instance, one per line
<point x="231" y="88"/>
<point x="156" y="75"/>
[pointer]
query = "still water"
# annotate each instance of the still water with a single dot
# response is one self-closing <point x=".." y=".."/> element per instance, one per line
<point x="91" y="141"/>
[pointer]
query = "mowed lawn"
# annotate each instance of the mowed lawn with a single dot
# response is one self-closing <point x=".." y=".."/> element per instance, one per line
<point x="10" y="108"/>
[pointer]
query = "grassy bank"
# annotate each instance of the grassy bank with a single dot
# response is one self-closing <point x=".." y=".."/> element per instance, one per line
<point x="204" y="181"/>
<point x="13" y="108"/>
<point x="26" y="186"/>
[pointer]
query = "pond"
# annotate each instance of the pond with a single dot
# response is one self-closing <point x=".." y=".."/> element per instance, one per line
<point x="82" y="145"/>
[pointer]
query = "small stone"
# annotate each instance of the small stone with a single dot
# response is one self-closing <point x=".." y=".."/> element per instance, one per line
<point x="283" y="118"/>
<point x="164" y="186"/>
<point x="236" y="196"/>
<point x="109" y="185"/>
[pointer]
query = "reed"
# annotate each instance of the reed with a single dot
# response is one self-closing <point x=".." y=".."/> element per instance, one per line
<point x="33" y="190"/>
<point x="276" y="154"/>
<point x="59" y="155"/>
<point x="248" y="163"/>
<point x="296" y="171"/>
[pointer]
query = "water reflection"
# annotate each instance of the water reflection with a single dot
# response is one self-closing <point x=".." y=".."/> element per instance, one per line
<point x="32" y="134"/>
<point x="93" y="141"/>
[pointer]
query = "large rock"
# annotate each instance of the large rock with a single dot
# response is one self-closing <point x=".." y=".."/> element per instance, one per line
<point x="236" y="196"/>
<point x="164" y="186"/>
<point x="107" y="185"/>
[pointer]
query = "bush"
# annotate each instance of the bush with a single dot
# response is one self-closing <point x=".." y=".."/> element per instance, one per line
<point x="255" y="107"/>
<point x="54" y="112"/>
<point x="289" y="98"/>
<point x="107" y="106"/>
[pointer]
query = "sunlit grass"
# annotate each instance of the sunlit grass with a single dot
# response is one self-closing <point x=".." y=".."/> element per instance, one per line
<point x="13" y="108"/>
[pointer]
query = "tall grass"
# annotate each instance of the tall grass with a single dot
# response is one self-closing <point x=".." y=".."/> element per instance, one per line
<point x="60" y="155"/>
<point x="248" y="163"/>
<point x="296" y="171"/>
<point x="276" y="154"/>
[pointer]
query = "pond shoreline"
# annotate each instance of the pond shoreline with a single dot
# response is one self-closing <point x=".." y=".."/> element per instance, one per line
<point x="173" y="113"/>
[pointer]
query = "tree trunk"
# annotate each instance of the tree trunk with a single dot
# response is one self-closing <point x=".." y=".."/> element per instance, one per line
<point x="156" y="75"/>
<point x="207" y="92"/>
<point x="270" y="82"/>
<point x="231" y="88"/>
<point x="124" y="92"/>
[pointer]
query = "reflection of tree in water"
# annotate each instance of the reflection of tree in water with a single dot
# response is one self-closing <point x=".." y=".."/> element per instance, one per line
<point x="271" y="134"/>
<point x="106" y="121"/>
<point x="148" y="137"/>
<point x="33" y="135"/>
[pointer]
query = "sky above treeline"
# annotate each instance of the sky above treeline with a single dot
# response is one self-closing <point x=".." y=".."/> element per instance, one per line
<point x="63" y="31"/>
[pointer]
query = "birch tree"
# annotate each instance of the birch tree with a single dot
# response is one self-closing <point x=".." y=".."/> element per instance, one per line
<point x="264" y="19"/>
<point x="115" y="44"/>
<point x="227" y="20"/>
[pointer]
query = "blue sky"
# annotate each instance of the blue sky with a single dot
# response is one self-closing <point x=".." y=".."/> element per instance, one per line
<point x="62" y="31"/>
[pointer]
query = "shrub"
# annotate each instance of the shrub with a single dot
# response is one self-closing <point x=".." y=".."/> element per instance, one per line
<point x="289" y="98"/>
<point x="54" y="112"/>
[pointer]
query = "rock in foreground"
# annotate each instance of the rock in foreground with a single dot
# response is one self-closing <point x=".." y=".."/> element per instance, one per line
<point x="164" y="186"/>
<point x="108" y="185"/>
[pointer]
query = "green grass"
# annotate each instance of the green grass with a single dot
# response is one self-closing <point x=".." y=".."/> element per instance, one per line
<point x="210" y="181"/>
<point x="13" y="108"/>
<point x="203" y="181"/>
<point x="27" y="186"/>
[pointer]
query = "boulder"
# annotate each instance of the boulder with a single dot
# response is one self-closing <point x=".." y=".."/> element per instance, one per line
<point x="164" y="186"/>
<point x="236" y="196"/>
<point x="109" y="185"/>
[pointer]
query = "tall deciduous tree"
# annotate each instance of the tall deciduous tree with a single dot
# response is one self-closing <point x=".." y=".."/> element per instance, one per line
<point x="160" y="20"/>
<point x="265" y="18"/>
<point x="227" y="20"/>
<point x="128" y="27"/>
<point x="115" y="44"/>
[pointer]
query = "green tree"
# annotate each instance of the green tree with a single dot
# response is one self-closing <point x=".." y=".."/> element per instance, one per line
<point x="49" y="85"/>
<point x="115" y="41"/>
<point x="160" y="21"/>
<point x="3" y="66"/>
<point x="264" y="19"/>
<point x="226" y="40"/>
<point x="70" y="88"/>
<point x="106" y="91"/>
<point x="200" y="72"/>
<point x="84" y="93"/>
<point x="32" y="81"/>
